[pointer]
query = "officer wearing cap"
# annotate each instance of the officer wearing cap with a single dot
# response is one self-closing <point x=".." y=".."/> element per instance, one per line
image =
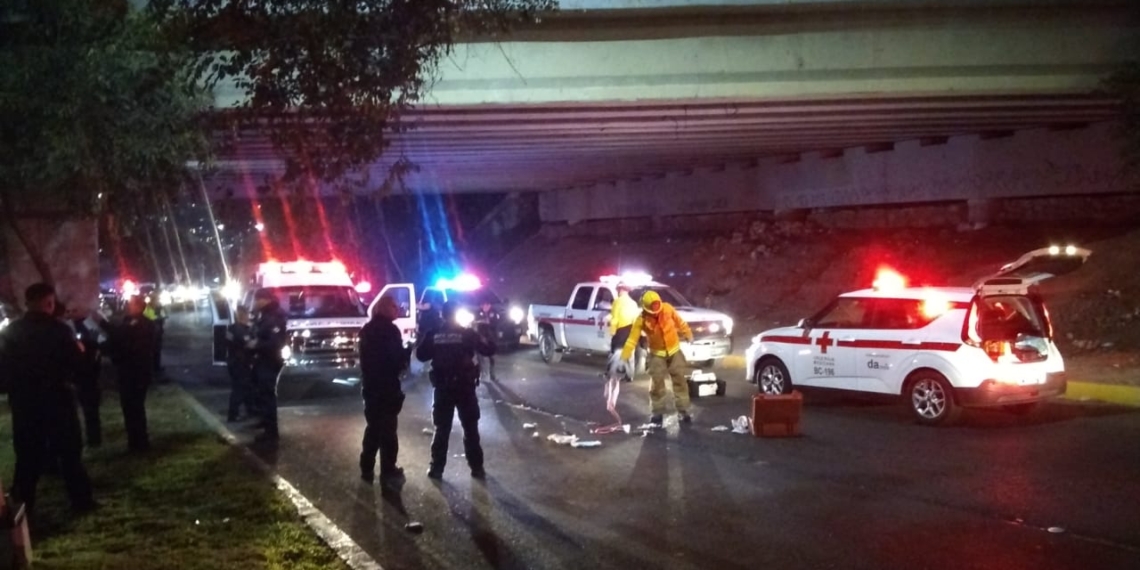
<point x="452" y="350"/>
<point x="269" y="338"/>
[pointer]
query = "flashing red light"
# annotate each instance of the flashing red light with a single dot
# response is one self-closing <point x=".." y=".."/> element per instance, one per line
<point x="887" y="279"/>
<point x="129" y="288"/>
<point x="934" y="305"/>
<point x="363" y="287"/>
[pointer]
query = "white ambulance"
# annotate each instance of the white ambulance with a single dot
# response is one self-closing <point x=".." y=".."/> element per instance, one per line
<point x="324" y="317"/>
<point x="939" y="348"/>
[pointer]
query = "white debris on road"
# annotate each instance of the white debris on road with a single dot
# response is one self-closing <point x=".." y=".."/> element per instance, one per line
<point x="529" y="426"/>
<point x="742" y="425"/>
<point x="720" y="428"/>
<point x="593" y="443"/>
<point x="561" y="439"/>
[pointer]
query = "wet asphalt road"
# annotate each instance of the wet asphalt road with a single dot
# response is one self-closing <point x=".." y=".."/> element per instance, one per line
<point x="863" y="488"/>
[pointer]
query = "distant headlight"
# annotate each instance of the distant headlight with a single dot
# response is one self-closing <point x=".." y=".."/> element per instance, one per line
<point x="714" y="328"/>
<point x="517" y="314"/>
<point x="165" y="298"/>
<point x="464" y="318"/>
<point x="286" y="353"/>
<point x="728" y="325"/>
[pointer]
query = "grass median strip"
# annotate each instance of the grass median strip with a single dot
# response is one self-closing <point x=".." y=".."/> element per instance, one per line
<point x="191" y="502"/>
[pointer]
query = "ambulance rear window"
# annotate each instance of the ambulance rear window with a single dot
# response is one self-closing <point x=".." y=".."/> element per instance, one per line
<point x="1005" y="317"/>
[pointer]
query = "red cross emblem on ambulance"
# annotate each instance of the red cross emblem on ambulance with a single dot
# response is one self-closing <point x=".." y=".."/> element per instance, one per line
<point x="825" y="341"/>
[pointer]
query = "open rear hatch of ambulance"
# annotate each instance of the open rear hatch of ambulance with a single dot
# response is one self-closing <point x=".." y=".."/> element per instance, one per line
<point x="1011" y="324"/>
<point x="1019" y="277"/>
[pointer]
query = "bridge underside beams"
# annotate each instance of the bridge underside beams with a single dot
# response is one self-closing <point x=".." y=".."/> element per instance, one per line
<point x="1040" y="162"/>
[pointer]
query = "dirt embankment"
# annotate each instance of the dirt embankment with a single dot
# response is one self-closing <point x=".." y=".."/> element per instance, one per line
<point x="773" y="273"/>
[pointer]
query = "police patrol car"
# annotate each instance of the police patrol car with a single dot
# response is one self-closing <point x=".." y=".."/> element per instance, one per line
<point x="324" y="317"/>
<point x="940" y="348"/>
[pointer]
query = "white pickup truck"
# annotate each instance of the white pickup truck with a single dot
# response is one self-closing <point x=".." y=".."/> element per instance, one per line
<point x="582" y="324"/>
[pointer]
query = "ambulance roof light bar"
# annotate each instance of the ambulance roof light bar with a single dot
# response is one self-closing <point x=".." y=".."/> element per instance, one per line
<point x="303" y="266"/>
<point x="887" y="279"/>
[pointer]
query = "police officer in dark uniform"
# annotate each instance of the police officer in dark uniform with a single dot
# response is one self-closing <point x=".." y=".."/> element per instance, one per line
<point x="452" y="350"/>
<point x="132" y="346"/>
<point x="87" y="379"/>
<point x="382" y="358"/>
<point x="40" y="359"/>
<point x="269" y="338"/>
<point x="239" y="364"/>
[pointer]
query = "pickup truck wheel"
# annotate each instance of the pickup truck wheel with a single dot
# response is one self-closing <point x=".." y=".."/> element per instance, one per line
<point x="931" y="399"/>
<point x="772" y="377"/>
<point x="548" y="347"/>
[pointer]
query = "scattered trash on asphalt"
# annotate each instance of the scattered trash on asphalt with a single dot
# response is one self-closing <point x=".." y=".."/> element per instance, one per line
<point x="226" y="520"/>
<point x="529" y="426"/>
<point x="720" y="428"/>
<point x="743" y="424"/>
<point x="414" y="527"/>
<point x="536" y="434"/>
<point x="594" y="443"/>
<point x="429" y="431"/>
<point x="648" y="427"/>
<point x="458" y="455"/>
<point x="562" y="439"/>
<point x="1056" y="530"/>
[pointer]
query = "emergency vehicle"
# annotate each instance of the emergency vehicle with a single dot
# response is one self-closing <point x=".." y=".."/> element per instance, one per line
<point x="324" y="318"/>
<point x="939" y="348"/>
<point x="467" y="293"/>
<point x="582" y="323"/>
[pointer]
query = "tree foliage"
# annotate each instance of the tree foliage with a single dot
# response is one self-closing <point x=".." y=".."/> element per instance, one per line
<point x="98" y="110"/>
<point x="328" y="79"/>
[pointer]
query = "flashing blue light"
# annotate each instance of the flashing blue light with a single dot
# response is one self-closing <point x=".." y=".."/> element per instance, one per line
<point x="462" y="282"/>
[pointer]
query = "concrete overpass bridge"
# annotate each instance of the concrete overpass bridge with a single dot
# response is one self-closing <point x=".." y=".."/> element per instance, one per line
<point x="629" y="108"/>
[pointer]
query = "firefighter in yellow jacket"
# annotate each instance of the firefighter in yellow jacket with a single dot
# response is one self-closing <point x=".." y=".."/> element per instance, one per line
<point x="664" y="329"/>
<point x="622" y="314"/>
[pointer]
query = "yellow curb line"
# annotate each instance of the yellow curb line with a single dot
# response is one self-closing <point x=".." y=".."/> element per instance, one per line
<point x="1112" y="393"/>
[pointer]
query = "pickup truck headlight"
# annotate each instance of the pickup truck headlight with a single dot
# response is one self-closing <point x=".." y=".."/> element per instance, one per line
<point x="464" y="318"/>
<point x="517" y="315"/>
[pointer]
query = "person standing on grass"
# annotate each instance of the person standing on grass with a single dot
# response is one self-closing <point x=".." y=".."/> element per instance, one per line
<point x="240" y="365"/>
<point x="269" y="339"/>
<point x="92" y="338"/>
<point x="132" y="351"/>
<point x="41" y="359"/>
<point x="382" y="358"/>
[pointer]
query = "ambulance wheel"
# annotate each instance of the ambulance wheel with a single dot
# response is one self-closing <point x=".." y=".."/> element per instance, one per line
<point x="772" y="377"/>
<point x="548" y="347"/>
<point x="721" y="387"/>
<point x="931" y="399"/>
